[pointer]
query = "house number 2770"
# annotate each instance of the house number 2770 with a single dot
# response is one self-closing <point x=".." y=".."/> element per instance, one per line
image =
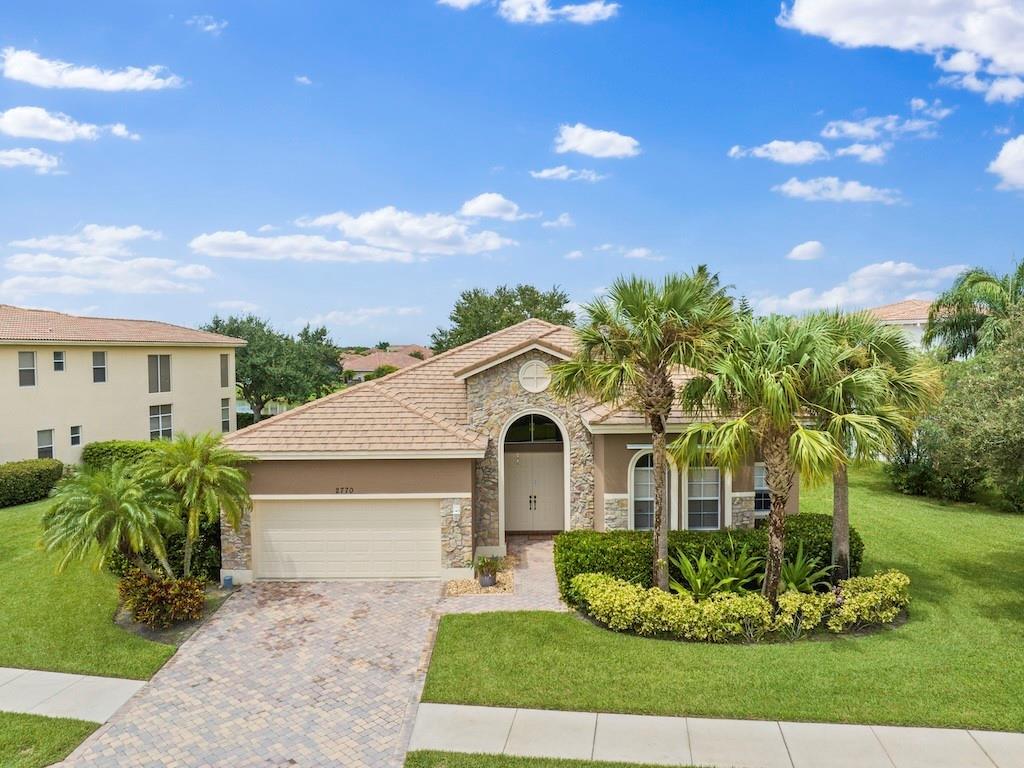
<point x="344" y="489"/>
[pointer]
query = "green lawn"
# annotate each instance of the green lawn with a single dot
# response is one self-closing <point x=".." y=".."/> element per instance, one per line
<point x="62" y="623"/>
<point x="456" y="760"/>
<point x="29" y="741"/>
<point x="958" y="661"/>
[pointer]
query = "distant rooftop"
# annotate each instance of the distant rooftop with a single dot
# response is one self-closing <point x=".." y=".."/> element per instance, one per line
<point x="910" y="310"/>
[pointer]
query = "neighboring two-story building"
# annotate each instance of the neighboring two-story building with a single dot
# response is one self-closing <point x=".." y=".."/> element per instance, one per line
<point x="66" y="381"/>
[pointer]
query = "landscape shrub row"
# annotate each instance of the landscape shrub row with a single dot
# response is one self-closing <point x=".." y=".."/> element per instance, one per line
<point x="159" y="602"/>
<point x="628" y="555"/>
<point x="857" y="603"/>
<point x="24" y="481"/>
<point x="101" y="455"/>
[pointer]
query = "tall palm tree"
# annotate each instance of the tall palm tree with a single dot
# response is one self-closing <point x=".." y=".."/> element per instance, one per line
<point x="894" y="383"/>
<point x="975" y="312"/>
<point x="100" y="512"/>
<point x="763" y="392"/>
<point x="628" y="347"/>
<point x="207" y="480"/>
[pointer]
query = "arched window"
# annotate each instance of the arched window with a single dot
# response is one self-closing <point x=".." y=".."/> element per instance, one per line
<point x="643" y="493"/>
<point x="533" y="428"/>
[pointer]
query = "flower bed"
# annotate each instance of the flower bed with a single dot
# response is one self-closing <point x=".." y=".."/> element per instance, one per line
<point x="856" y="603"/>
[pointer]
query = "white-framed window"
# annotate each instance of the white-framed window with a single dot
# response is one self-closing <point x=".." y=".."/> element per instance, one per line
<point x="642" y="507"/>
<point x="159" y="373"/>
<point x="703" y="498"/>
<point x="76" y="435"/>
<point x="26" y="369"/>
<point x="225" y="414"/>
<point x="58" y="361"/>
<point x="762" y="499"/>
<point x="160" y="422"/>
<point x="99" y="367"/>
<point x="44" y="443"/>
<point x="225" y="370"/>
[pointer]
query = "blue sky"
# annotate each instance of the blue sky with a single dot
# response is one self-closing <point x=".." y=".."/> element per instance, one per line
<point x="326" y="162"/>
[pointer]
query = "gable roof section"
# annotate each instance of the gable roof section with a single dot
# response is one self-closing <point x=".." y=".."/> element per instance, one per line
<point x="542" y="344"/>
<point x="909" y="311"/>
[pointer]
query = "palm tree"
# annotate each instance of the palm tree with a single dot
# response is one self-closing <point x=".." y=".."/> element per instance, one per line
<point x="975" y="312"/>
<point x="628" y="347"/>
<point x="206" y="478"/>
<point x="99" y="512"/>
<point x="894" y="383"/>
<point x="763" y="392"/>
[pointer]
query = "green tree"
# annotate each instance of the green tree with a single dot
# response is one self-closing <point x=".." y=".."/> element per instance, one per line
<point x="317" y="362"/>
<point x="383" y="345"/>
<point x="206" y="478"/>
<point x="101" y="512"/>
<point x="974" y="314"/>
<point x="629" y="348"/>
<point x="768" y="384"/>
<point x="379" y="371"/>
<point x="478" y="313"/>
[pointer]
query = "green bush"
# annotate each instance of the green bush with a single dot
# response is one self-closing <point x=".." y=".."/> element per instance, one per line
<point x="628" y="555"/>
<point x="205" y="553"/>
<point x="870" y="600"/>
<point x="161" y="602"/>
<point x="25" y="481"/>
<point x="102" y="454"/>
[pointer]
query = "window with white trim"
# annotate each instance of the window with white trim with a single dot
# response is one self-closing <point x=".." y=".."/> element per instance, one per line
<point x="225" y="414"/>
<point x="703" y="498"/>
<point x="160" y="422"/>
<point x="159" y="373"/>
<point x="643" y="493"/>
<point x="76" y="435"/>
<point x="225" y="370"/>
<point x="99" y="367"/>
<point x="58" y="362"/>
<point x="26" y="369"/>
<point x="762" y="498"/>
<point x="44" y="444"/>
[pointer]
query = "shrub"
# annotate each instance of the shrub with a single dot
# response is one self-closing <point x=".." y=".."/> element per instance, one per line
<point x="628" y="555"/>
<point x="870" y="600"/>
<point x="801" y="612"/>
<point x="205" y="553"/>
<point x="102" y="454"/>
<point x="161" y="602"/>
<point x="25" y="481"/>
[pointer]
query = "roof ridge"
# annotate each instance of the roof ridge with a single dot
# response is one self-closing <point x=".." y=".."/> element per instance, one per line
<point x="453" y="429"/>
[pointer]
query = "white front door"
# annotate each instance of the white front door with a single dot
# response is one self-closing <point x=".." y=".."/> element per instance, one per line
<point x="534" y="491"/>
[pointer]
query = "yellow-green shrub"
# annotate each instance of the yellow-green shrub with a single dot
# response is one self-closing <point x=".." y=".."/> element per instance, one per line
<point x="869" y="600"/>
<point x="801" y="612"/>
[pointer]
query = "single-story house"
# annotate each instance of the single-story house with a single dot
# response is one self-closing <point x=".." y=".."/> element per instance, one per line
<point x="414" y="474"/>
<point x="394" y="357"/>
<point x="910" y="315"/>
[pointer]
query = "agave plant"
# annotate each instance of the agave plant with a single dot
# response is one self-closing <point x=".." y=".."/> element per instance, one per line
<point x="803" y="574"/>
<point x="746" y="569"/>
<point x="701" y="578"/>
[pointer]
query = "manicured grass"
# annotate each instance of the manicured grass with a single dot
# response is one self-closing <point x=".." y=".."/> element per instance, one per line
<point x="456" y="760"/>
<point x="958" y="661"/>
<point x="30" y="741"/>
<point x="62" y="622"/>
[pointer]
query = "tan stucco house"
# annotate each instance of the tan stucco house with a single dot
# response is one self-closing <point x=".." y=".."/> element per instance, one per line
<point x="414" y="474"/>
<point x="72" y="380"/>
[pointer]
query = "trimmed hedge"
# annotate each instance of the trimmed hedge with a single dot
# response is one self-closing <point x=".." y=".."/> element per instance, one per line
<point x="25" y="481"/>
<point x="102" y="454"/>
<point x="628" y="555"/>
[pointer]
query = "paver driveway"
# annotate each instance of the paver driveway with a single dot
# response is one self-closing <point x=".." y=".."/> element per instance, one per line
<point x="285" y="674"/>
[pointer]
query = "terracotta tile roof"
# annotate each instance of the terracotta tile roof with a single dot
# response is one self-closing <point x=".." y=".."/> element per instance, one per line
<point x="371" y="361"/>
<point x="409" y="349"/>
<point x="44" y="326"/>
<point x="911" y="310"/>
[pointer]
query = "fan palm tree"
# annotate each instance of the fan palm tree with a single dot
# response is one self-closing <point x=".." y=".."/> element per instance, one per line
<point x="628" y="347"/>
<point x="207" y="479"/>
<point x="975" y="312"/>
<point x="764" y="393"/>
<point x="895" y="384"/>
<point x="100" y="512"/>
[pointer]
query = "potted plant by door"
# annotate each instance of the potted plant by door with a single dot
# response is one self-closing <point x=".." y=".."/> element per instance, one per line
<point x="487" y="570"/>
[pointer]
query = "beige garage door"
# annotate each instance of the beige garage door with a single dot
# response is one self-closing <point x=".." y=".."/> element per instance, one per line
<point x="347" y="539"/>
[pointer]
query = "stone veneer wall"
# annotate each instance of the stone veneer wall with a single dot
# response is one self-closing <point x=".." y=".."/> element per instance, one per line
<point x="236" y="546"/>
<point x="743" y="510"/>
<point x="495" y="396"/>
<point x="456" y="535"/>
<point x="616" y="511"/>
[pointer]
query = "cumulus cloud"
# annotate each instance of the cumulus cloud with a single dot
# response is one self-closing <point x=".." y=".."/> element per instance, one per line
<point x="29" y="67"/>
<point x="542" y="12"/>
<point x="873" y="285"/>
<point x="786" y="152"/>
<point x="491" y="205"/>
<point x="359" y="315"/>
<point x="460" y="4"/>
<point x="933" y="109"/>
<point x="866" y="153"/>
<point x="242" y="245"/>
<point x="594" y="142"/>
<point x="573" y="255"/>
<point x="809" y="251"/>
<point x="642" y="254"/>
<point x="91" y="240"/>
<point x="303" y="80"/>
<point x="208" y="24"/>
<point x="1009" y="164"/>
<point x="31" y="157"/>
<point x="565" y="173"/>
<point x="871" y="128"/>
<point x="832" y="189"/>
<point x="562" y="221"/>
<point x="37" y="123"/>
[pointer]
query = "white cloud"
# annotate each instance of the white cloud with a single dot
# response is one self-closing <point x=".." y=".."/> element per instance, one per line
<point x="359" y="316"/>
<point x="303" y="80"/>
<point x="604" y="247"/>
<point x="242" y="245"/>
<point x="1009" y="164"/>
<point x="933" y="109"/>
<point x="809" y="251"/>
<point x="965" y="36"/>
<point x="565" y="173"/>
<point x="595" y="143"/>
<point x="573" y="255"/>
<point x="30" y="67"/>
<point x="563" y="220"/>
<point x="866" y="153"/>
<point x="31" y="157"/>
<point x="208" y="24"/>
<point x="873" y="285"/>
<point x="91" y="240"/>
<point x="460" y="4"/>
<point x="264" y="228"/>
<point x="37" y="123"/>
<point x="787" y="152"/>
<point x="835" y="190"/>
<point x="541" y="11"/>
<point x="643" y="254"/>
<point x="491" y="205"/>
<point x="1005" y="89"/>
<point x="871" y="128"/>
<point x="236" y="305"/>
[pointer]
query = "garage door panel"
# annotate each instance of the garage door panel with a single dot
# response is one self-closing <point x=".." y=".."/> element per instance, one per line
<point x="325" y="539"/>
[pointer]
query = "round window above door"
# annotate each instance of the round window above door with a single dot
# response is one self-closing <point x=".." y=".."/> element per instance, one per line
<point x="534" y="376"/>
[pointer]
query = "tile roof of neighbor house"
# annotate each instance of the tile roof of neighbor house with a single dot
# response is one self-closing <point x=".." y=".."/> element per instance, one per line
<point x="411" y="349"/>
<point x="371" y="361"/>
<point x="911" y="310"/>
<point x="45" y="326"/>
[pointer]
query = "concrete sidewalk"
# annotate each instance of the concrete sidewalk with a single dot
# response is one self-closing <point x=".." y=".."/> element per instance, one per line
<point x="56" y="694"/>
<point x="704" y="742"/>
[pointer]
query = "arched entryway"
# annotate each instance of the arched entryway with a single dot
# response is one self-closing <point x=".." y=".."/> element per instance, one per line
<point x="534" y="478"/>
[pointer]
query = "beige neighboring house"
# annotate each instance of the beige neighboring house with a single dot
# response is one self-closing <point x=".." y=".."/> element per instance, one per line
<point x="414" y="474"/>
<point x="70" y="380"/>
<point x="911" y="315"/>
<point x="398" y="357"/>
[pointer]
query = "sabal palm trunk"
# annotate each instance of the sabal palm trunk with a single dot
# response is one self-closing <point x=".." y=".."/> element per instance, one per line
<point x="779" y="476"/>
<point x="840" y="523"/>
<point x="660" y="574"/>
